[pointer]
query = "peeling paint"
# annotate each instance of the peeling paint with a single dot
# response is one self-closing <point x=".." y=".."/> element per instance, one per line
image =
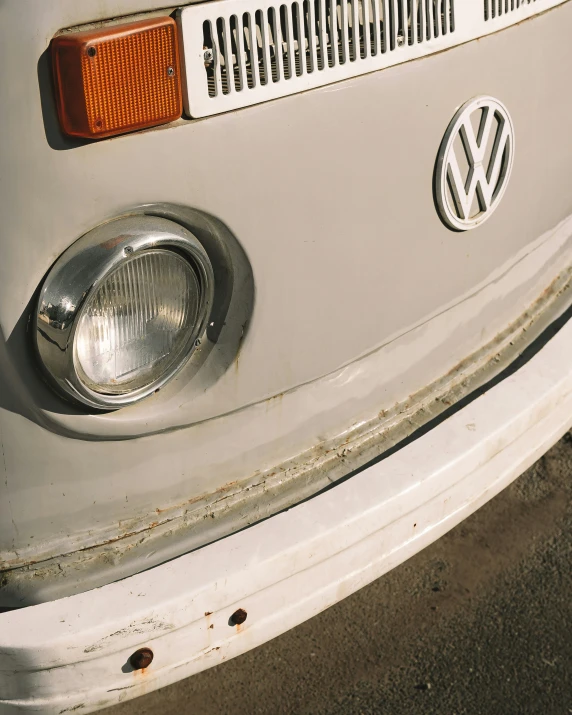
<point x="196" y="521"/>
<point x="149" y="625"/>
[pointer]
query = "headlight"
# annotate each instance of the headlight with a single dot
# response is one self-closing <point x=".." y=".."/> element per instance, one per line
<point x="122" y="309"/>
<point x="135" y="326"/>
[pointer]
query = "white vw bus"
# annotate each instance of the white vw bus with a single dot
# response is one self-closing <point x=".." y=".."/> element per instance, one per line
<point x="284" y="290"/>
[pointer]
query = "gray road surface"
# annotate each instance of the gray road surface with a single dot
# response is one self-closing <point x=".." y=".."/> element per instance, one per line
<point x="479" y="622"/>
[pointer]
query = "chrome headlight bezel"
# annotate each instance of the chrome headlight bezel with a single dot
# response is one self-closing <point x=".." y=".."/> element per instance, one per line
<point x="80" y="270"/>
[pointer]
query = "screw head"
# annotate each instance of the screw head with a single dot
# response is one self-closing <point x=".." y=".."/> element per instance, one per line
<point x="208" y="55"/>
<point x="91" y="52"/>
<point x="238" y="617"/>
<point x="142" y="658"/>
<point x="127" y="250"/>
<point x="170" y="71"/>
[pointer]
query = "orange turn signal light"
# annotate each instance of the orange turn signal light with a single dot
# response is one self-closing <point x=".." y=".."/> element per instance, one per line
<point x="118" y="79"/>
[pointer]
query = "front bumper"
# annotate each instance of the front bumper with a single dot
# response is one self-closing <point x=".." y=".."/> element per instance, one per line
<point x="72" y="654"/>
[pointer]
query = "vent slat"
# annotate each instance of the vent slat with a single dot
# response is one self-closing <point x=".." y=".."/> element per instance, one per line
<point x="367" y="29"/>
<point x="255" y="58"/>
<point x="262" y="61"/>
<point x="333" y="34"/>
<point x="288" y="36"/>
<point x="345" y="45"/>
<point x="300" y="49"/>
<point x="404" y="24"/>
<point x="428" y="21"/>
<point x="227" y="55"/>
<point x="323" y="36"/>
<point x="356" y="40"/>
<point x="264" y="38"/>
<point x="313" y="52"/>
<point x="386" y="27"/>
<point x="278" y="68"/>
<point x="391" y="5"/>
<point x="216" y="62"/>
<point x="238" y="35"/>
<point x="376" y="17"/>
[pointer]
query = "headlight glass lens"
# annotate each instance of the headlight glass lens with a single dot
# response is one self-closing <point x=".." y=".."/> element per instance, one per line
<point x="137" y="324"/>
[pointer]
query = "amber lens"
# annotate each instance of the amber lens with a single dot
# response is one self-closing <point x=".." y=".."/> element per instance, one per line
<point x="118" y="80"/>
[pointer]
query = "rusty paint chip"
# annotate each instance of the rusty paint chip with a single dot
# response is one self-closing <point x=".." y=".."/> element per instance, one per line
<point x="142" y="658"/>
<point x="238" y="617"/>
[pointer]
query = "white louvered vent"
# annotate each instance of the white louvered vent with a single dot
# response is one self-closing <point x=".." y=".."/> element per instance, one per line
<point x="242" y="52"/>
<point x="253" y="49"/>
<point x="496" y="8"/>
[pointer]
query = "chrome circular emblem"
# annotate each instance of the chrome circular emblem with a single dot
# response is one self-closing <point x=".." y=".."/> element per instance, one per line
<point x="474" y="163"/>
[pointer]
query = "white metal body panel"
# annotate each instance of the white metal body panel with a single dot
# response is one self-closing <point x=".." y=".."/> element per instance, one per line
<point x="323" y="190"/>
<point x="72" y="654"/>
<point x="247" y="83"/>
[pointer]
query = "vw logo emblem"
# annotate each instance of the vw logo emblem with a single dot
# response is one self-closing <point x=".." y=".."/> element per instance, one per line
<point x="474" y="163"/>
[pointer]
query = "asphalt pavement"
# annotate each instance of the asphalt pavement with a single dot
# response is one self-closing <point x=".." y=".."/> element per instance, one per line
<point x="480" y="622"/>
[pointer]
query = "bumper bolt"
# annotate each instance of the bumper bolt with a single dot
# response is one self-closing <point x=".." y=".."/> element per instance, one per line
<point x="238" y="617"/>
<point x="142" y="658"/>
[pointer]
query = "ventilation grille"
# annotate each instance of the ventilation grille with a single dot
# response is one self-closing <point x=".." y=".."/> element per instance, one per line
<point x="252" y="49"/>
<point x="496" y="8"/>
<point x="242" y="52"/>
